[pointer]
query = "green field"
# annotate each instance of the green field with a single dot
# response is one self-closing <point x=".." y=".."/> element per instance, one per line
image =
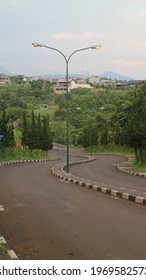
<point x="44" y="112"/>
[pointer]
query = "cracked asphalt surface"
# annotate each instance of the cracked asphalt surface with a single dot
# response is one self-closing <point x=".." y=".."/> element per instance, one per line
<point x="45" y="218"/>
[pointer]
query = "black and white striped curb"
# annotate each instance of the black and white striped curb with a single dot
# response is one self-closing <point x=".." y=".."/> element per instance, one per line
<point x="125" y="167"/>
<point x="7" y="249"/>
<point x="3" y="164"/>
<point x="58" y="171"/>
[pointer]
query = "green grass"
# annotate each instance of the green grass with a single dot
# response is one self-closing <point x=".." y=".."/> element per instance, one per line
<point x="3" y="253"/>
<point x="17" y="134"/>
<point x="110" y="149"/>
<point x="50" y="111"/>
<point x="20" y="154"/>
<point x="139" y="167"/>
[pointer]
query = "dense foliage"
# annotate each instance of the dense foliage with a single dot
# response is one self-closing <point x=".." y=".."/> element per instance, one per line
<point x="97" y="117"/>
<point x="36" y="134"/>
<point x="6" y="132"/>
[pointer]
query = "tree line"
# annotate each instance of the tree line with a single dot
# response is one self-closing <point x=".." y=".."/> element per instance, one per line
<point x="106" y="118"/>
<point x="36" y="132"/>
<point x="97" y="117"/>
<point x="125" y="125"/>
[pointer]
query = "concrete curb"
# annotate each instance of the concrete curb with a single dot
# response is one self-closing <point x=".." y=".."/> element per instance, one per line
<point x="58" y="171"/>
<point x="3" y="164"/>
<point x="125" y="167"/>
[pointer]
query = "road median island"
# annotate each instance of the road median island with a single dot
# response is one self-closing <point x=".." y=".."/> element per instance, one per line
<point x="59" y="172"/>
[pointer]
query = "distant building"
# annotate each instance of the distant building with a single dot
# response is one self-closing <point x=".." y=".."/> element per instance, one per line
<point x="121" y="85"/>
<point x="4" y="80"/>
<point x="79" y="84"/>
<point x="135" y="83"/>
<point x="132" y="84"/>
<point x="60" y="87"/>
<point x="94" y="80"/>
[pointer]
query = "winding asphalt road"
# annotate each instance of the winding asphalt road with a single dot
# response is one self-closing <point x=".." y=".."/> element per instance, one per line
<point x="104" y="172"/>
<point x="45" y="218"/>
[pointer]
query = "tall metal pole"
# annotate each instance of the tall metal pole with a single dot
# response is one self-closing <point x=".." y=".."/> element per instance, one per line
<point x="67" y="120"/>
<point x="96" y="47"/>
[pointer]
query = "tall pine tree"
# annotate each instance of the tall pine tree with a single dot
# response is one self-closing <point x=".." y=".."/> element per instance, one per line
<point x="6" y="131"/>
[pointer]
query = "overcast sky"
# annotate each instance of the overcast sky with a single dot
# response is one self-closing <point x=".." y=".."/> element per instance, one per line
<point x="118" y="25"/>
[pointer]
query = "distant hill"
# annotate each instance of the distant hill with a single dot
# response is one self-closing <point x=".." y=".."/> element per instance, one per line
<point x="107" y="75"/>
<point x="4" y="71"/>
<point x="61" y="76"/>
<point x="115" y="76"/>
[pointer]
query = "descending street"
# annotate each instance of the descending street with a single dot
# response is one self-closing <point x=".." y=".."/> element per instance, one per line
<point x="45" y="218"/>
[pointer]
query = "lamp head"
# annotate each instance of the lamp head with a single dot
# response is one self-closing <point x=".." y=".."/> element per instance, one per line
<point x="36" y="45"/>
<point x="96" y="47"/>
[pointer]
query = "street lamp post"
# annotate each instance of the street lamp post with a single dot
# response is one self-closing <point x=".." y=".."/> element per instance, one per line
<point x="67" y="59"/>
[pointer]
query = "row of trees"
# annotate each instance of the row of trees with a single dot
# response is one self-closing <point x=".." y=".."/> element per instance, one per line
<point x="107" y="118"/>
<point x="126" y="125"/>
<point x="36" y="133"/>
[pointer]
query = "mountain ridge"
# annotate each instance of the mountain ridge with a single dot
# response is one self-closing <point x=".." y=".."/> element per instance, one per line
<point x="115" y="76"/>
<point x="107" y="75"/>
<point x="5" y="72"/>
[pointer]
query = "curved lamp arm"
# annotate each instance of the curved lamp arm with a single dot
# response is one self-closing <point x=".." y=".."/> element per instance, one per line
<point x="96" y="47"/>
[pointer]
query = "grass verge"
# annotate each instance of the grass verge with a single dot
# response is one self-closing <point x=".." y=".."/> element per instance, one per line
<point x="21" y="154"/>
<point x="3" y="253"/>
<point x="139" y="167"/>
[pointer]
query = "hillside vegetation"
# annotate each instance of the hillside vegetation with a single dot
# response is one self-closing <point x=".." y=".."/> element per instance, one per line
<point x="100" y="119"/>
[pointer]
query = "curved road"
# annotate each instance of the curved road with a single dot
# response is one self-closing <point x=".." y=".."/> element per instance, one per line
<point x="45" y="218"/>
<point x="104" y="171"/>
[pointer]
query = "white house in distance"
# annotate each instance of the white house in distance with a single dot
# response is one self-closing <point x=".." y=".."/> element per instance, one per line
<point x="101" y="81"/>
<point x="60" y="87"/>
<point x="4" y="80"/>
